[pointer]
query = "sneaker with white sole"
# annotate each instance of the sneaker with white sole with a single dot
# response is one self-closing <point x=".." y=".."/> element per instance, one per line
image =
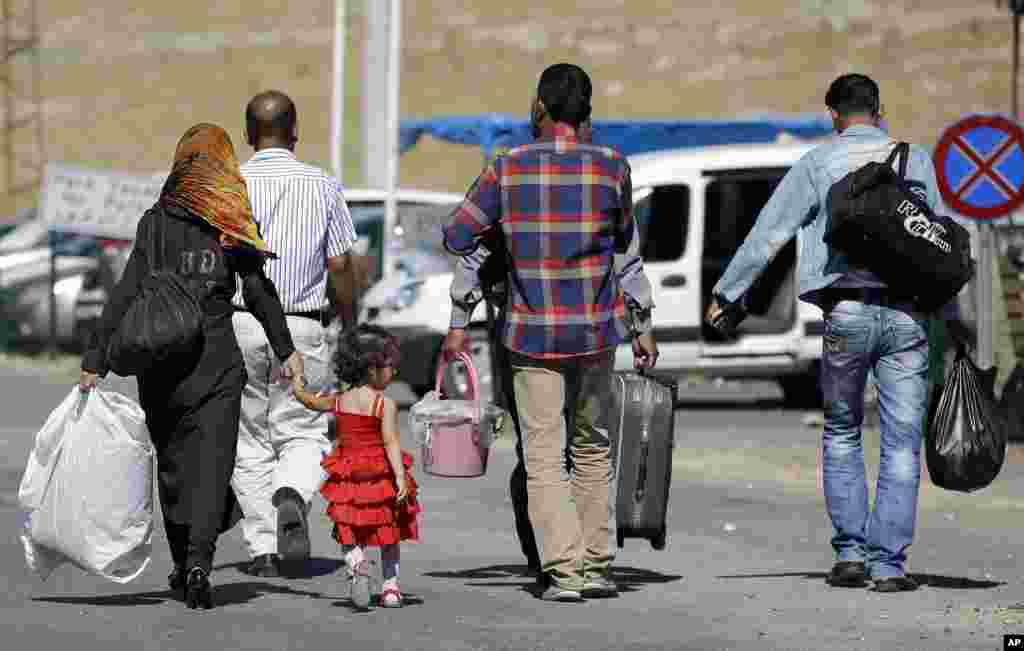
<point x="359" y="590"/>
<point x="555" y="592"/>
<point x="599" y="587"/>
<point x="391" y="596"/>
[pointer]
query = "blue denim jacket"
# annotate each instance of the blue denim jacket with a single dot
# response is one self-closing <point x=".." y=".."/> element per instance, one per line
<point x="798" y="205"/>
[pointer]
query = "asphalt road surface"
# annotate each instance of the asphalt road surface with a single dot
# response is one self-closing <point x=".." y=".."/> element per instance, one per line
<point x="744" y="568"/>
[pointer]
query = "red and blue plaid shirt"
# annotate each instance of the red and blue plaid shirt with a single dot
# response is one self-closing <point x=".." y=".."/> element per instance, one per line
<point x="565" y="208"/>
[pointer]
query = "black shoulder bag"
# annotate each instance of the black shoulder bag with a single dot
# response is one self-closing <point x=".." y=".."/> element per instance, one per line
<point x="164" y="321"/>
<point x="882" y="226"/>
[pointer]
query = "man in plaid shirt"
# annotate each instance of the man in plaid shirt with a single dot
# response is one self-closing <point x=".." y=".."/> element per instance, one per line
<point x="576" y="289"/>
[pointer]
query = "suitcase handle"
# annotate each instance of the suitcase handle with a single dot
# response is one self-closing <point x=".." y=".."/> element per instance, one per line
<point x="474" y="380"/>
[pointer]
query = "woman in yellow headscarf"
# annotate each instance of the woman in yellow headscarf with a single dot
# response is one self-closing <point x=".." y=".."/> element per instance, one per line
<point x="206" y="182"/>
<point x="202" y="228"/>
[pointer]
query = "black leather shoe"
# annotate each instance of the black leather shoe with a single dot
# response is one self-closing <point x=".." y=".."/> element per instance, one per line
<point x="848" y="574"/>
<point x="264" y="566"/>
<point x="895" y="584"/>
<point x="292" y="527"/>
<point x="197" y="590"/>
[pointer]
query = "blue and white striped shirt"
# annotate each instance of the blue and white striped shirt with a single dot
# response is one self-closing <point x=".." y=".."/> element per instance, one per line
<point x="303" y="217"/>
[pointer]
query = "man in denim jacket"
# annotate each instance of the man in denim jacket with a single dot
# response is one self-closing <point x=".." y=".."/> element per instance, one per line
<point x="866" y="330"/>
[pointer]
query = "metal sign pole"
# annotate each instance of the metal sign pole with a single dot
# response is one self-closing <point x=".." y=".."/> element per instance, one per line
<point x="984" y="307"/>
<point x="393" y="76"/>
<point x="338" y="91"/>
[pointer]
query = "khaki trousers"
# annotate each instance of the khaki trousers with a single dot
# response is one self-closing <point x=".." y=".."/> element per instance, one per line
<point x="280" y="442"/>
<point x="571" y="514"/>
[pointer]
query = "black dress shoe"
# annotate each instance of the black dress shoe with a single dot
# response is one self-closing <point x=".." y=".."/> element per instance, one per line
<point x="848" y="574"/>
<point x="197" y="590"/>
<point x="895" y="584"/>
<point x="264" y="566"/>
<point x="292" y="527"/>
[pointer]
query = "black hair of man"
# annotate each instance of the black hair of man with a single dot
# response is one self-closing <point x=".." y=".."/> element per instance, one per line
<point x="565" y="91"/>
<point x="271" y="116"/>
<point x="854" y="94"/>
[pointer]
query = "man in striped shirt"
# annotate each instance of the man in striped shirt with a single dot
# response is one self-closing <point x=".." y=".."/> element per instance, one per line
<point x="303" y="217"/>
<point x="576" y="289"/>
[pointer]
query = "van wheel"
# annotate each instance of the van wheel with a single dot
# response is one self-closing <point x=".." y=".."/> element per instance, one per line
<point x="802" y="391"/>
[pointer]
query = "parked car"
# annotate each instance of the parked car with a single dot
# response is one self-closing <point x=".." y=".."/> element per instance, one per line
<point x="25" y="270"/>
<point x="416" y="251"/>
<point x="694" y="207"/>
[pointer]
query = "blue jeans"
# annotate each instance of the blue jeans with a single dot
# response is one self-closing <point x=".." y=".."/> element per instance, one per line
<point x="892" y="343"/>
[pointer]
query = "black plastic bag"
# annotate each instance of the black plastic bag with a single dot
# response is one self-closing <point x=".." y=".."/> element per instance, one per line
<point x="163" y="323"/>
<point x="1011" y="404"/>
<point x="966" y="441"/>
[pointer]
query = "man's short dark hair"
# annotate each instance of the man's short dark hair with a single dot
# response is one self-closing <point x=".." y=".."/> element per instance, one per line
<point x="565" y="90"/>
<point x="853" y="94"/>
<point x="270" y="114"/>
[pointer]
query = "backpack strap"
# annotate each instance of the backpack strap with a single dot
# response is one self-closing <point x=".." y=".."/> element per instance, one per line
<point x="900" y="154"/>
<point x="378" y="407"/>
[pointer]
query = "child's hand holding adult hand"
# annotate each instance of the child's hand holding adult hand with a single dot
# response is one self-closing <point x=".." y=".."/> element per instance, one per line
<point x="403" y="491"/>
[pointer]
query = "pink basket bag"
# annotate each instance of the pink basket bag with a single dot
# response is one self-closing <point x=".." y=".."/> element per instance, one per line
<point x="455" y="447"/>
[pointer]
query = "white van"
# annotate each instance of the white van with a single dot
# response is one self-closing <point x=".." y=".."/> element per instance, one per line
<point x="694" y="207"/>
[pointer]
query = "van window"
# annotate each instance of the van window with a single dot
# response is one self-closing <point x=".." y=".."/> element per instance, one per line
<point x="663" y="218"/>
<point x="733" y="202"/>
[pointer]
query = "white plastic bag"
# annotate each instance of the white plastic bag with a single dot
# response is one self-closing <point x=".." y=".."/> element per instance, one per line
<point x="87" y="491"/>
<point x="432" y="410"/>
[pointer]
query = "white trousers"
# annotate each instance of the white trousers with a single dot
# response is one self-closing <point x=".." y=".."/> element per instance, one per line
<point x="280" y="442"/>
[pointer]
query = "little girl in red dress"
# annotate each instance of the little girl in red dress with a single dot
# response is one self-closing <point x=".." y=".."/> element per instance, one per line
<point x="370" y="490"/>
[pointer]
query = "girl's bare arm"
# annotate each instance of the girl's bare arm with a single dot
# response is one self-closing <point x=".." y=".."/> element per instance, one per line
<point x="390" y="434"/>
<point x="312" y="400"/>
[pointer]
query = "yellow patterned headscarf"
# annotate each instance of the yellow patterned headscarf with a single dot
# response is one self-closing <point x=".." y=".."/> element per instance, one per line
<point x="206" y="181"/>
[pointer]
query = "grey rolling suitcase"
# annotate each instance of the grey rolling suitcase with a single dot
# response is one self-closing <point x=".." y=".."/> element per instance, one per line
<point x="642" y="431"/>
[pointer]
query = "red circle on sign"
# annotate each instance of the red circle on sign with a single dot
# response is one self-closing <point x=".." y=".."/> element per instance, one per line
<point x="950" y="138"/>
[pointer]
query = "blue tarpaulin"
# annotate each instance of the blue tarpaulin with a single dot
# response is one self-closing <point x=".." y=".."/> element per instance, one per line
<point x="492" y="132"/>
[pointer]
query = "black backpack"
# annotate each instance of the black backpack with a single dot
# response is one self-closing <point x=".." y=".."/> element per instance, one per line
<point x="882" y="226"/>
<point x="164" y="323"/>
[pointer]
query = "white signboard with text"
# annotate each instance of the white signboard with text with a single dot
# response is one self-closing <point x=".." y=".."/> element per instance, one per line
<point x="96" y="202"/>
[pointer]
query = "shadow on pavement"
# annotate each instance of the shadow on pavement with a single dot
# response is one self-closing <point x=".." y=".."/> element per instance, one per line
<point x="930" y="580"/>
<point x="408" y="599"/>
<point x="309" y="569"/>
<point x="137" y="599"/>
<point x="758" y="404"/>
<point x="228" y="594"/>
<point x="628" y="578"/>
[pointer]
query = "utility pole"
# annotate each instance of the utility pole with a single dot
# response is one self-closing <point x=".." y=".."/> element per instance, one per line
<point x="338" y="90"/>
<point x="391" y="132"/>
<point x="375" y="94"/>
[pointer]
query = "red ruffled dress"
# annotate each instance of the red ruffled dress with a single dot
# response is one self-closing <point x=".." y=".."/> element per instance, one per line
<point x="360" y="488"/>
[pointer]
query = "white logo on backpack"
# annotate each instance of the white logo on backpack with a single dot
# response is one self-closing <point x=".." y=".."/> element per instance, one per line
<point x="920" y="226"/>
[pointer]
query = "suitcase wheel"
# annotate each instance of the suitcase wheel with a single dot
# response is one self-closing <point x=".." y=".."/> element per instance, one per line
<point x="620" y="538"/>
<point x="658" y="541"/>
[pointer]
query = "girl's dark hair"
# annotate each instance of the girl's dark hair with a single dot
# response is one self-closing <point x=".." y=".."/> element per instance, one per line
<point x="362" y="348"/>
